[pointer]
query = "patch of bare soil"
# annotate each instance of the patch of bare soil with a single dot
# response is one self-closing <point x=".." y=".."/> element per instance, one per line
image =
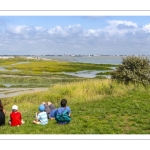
<point x="10" y="92"/>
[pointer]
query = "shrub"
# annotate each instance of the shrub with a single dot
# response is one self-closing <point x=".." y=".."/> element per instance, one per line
<point x="133" y="69"/>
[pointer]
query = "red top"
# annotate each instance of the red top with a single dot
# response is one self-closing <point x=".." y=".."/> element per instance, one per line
<point x="15" y="118"/>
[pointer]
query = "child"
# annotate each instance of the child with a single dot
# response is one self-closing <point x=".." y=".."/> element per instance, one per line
<point x="15" y="117"/>
<point x="63" y="113"/>
<point x="41" y="117"/>
<point x="2" y="114"/>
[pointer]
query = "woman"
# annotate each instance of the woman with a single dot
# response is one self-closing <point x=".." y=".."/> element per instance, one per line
<point x="2" y="114"/>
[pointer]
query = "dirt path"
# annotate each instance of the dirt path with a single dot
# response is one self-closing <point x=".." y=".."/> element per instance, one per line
<point x="51" y="77"/>
<point x="10" y="92"/>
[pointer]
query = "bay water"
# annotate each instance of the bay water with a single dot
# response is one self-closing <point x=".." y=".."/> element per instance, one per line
<point x="87" y="59"/>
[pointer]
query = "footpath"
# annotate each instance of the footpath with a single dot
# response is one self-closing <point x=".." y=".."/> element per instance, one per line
<point x="10" y="92"/>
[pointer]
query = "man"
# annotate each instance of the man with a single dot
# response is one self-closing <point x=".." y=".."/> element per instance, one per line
<point x="63" y="113"/>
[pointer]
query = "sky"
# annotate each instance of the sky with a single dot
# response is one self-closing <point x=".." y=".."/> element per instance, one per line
<point x="69" y="35"/>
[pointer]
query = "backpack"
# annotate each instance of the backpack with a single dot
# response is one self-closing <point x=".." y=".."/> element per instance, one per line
<point x="63" y="117"/>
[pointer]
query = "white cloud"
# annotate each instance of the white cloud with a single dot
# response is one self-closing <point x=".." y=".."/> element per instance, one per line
<point x="58" y="30"/>
<point x="115" y="23"/>
<point x="146" y="27"/>
<point x="94" y="33"/>
<point x="65" y="31"/>
<point x="74" y="29"/>
<point x="39" y="28"/>
<point x="120" y="27"/>
<point x="18" y="29"/>
<point x="118" y="35"/>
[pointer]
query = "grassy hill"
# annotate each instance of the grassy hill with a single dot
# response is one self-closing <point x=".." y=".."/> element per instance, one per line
<point x="97" y="107"/>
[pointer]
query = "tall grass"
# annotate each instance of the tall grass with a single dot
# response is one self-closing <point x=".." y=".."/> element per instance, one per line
<point x="81" y="91"/>
<point x="89" y="90"/>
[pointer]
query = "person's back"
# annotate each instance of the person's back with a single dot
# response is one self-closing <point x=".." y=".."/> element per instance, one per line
<point x="2" y="114"/>
<point x="15" y="117"/>
<point x="41" y="117"/>
<point x="60" y="110"/>
<point x="63" y="113"/>
<point x="2" y="118"/>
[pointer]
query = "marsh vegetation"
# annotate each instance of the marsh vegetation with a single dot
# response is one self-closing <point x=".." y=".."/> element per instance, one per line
<point x="42" y="73"/>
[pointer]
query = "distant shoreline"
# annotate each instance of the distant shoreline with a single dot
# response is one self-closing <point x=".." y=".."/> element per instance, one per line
<point x="73" y="55"/>
<point x="94" y="59"/>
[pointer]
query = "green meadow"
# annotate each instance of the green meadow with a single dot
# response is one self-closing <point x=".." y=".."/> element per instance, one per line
<point x="98" y="105"/>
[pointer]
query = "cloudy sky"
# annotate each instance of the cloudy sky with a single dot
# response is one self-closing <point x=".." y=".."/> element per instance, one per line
<point x="43" y="35"/>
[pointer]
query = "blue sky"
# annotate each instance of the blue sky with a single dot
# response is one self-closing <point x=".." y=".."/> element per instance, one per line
<point x="42" y="35"/>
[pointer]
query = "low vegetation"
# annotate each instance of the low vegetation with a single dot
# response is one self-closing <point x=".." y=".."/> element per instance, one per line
<point x="40" y="67"/>
<point x="21" y="72"/>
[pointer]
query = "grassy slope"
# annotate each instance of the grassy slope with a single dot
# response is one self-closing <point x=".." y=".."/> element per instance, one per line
<point x="98" y="107"/>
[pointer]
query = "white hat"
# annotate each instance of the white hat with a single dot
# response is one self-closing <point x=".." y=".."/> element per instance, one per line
<point x="14" y="107"/>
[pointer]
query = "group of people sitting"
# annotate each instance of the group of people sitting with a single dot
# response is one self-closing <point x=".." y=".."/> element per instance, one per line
<point x="46" y="111"/>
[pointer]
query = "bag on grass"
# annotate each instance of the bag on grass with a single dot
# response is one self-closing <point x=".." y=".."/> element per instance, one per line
<point x="63" y="117"/>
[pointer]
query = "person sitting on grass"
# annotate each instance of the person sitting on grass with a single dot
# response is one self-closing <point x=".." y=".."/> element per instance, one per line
<point x="15" y="117"/>
<point x="50" y="110"/>
<point x="2" y="114"/>
<point x="47" y="109"/>
<point x="63" y="113"/>
<point x="41" y="117"/>
<point x="53" y="110"/>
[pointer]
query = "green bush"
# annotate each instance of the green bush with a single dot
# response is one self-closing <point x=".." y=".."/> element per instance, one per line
<point x="133" y="69"/>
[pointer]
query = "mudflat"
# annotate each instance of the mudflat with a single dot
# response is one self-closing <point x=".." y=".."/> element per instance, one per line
<point x="10" y="92"/>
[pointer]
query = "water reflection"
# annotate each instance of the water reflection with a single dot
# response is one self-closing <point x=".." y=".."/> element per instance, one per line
<point x="9" y="85"/>
<point x="4" y="69"/>
<point x="20" y="63"/>
<point x="87" y="73"/>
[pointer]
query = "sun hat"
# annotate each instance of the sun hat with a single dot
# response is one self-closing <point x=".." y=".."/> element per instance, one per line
<point x="14" y="107"/>
<point x="41" y="107"/>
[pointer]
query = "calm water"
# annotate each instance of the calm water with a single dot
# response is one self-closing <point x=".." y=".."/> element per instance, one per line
<point x="92" y="59"/>
<point x="20" y="63"/>
<point x="4" y="69"/>
<point x="86" y="73"/>
<point x="87" y="59"/>
<point x="9" y="85"/>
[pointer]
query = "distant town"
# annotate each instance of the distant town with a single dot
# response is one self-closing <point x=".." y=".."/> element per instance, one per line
<point x="72" y="55"/>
